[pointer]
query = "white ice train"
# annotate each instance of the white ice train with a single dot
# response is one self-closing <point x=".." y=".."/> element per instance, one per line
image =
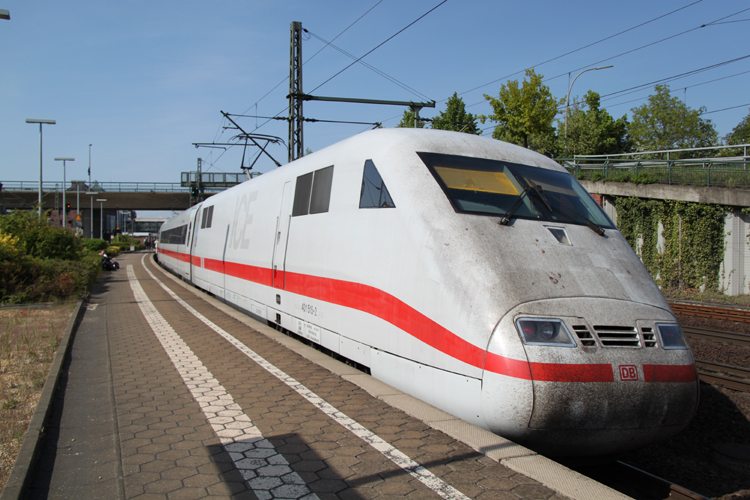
<point x="473" y="274"/>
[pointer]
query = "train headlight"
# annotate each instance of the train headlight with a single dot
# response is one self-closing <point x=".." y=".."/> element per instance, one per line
<point x="671" y="336"/>
<point x="549" y="332"/>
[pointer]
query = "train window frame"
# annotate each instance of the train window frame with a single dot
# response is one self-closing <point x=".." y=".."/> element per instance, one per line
<point x="542" y="192"/>
<point x="312" y="192"/>
<point x="302" y="191"/>
<point x="208" y="215"/>
<point x="372" y="181"/>
<point x="175" y="236"/>
<point x="671" y="339"/>
<point x="320" y="198"/>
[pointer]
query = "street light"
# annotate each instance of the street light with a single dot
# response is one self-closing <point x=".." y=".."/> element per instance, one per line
<point x="567" y="102"/>
<point x="4" y="14"/>
<point x="40" y="122"/>
<point x="78" y="203"/>
<point x="90" y="166"/>
<point x="92" y="193"/>
<point x="65" y="185"/>
<point x="101" y="219"/>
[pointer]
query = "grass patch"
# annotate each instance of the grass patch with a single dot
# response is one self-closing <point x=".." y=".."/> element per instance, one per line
<point x="28" y="341"/>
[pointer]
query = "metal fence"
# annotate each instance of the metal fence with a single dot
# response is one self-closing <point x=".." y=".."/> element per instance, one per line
<point x="731" y="173"/>
<point x="214" y="179"/>
<point x="116" y="187"/>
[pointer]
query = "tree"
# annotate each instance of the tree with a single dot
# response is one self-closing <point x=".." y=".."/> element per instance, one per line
<point x="456" y="118"/>
<point x="408" y="120"/>
<point x="739" y="134"/>
<point x="666" y="122"/>
<point x="524" y="112"/>
<point x="592" y="132"/>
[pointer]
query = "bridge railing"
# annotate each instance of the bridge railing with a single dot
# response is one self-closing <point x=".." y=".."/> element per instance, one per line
<point x="112" y="187"/>
<point x="214" y="179"/>
<point x="729" y="173"/>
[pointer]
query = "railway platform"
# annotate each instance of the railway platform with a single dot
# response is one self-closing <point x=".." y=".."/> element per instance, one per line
<point x="168" y="393"/>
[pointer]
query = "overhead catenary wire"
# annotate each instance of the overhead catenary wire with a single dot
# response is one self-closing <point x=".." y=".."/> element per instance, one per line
<point x="566" y="54"/>
<point x="374" y="69"/>
<point x="646" y="45"/>
<point x="664" y="80"/>
<point x="360" y="58"/>
<point x="382" y="43"/>
<point x="721" y="20"/>
<point x="221" y="128"/>
<point x="726" y="109"/>
<point x="286" y="79"/>
<point x="637" y="88"/>
<point x="579" y="49"/>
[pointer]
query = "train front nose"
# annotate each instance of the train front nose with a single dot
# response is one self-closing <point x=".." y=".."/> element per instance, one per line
<point x="603" y="376"/>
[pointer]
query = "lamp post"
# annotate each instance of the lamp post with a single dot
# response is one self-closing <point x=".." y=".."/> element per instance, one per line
<point x="92" y="193"/>
<point x="78" y="203"/>
<point x="101" y="219"/>
<point x="567" y="102"/>
<point x="40" y="122"/>
<point x="65" y="185"/>
<point x="89" y="166"/>
<point x="4" y="14"/>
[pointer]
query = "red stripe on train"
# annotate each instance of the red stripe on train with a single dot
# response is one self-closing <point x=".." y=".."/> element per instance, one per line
<point x="388" y="308"/>
<point x="669" y="373"/>
<point x="175" y="255"/>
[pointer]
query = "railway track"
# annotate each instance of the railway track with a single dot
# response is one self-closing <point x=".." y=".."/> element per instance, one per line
<point x="731" y="377"/>
<point x="704" y="311"/>
<point x="636" y="483"/>
<point x="741" y="339"/>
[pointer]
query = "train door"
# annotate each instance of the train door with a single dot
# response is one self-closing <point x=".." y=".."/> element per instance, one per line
<point x="192" y="239"/>
<point x="283" y="222"/>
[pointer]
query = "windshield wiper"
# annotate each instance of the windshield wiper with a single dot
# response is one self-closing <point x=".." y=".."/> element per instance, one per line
<point x="505" y="219"/>
<point x="591" y="224"/>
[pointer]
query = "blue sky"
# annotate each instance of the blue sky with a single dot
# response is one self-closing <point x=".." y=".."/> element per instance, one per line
<point x="143" y="80"/>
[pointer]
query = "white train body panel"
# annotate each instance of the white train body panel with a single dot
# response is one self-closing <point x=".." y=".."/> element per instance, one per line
<point x="429" y="296"/>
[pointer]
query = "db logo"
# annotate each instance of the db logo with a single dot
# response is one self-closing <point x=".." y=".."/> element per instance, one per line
<point x="628" y="372"/>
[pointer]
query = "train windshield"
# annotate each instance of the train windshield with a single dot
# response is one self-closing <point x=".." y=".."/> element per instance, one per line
<point x="491" y="187"/>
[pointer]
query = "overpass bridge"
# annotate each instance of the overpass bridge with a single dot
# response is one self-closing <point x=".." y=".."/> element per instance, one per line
<point x="24" y="195"/>
<point x="82" y="200"/>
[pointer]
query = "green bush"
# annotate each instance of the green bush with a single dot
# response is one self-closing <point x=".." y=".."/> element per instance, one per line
<point x="32" y="279"/>
<point x="95" y="244"/>
<point x="39" y="262"/>
<point x="39" y="238"/>
<point x="112" y="251"/>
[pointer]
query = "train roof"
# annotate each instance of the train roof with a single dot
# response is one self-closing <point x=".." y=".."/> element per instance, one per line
<point x="404" y="140"/>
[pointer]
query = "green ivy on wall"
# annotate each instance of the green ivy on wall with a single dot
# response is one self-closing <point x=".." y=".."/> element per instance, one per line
<point x="693" y="240"/>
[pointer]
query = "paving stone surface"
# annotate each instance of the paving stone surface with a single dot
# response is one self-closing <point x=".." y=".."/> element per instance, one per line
<point x="160" y="439"/>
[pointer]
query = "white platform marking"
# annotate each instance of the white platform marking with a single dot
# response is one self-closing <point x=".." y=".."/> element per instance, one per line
<point x="399" y="458"/>
<point x="265" y="470"/>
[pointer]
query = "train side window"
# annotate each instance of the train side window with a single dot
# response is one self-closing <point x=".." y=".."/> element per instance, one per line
<point x="174" y="236"/>
<point x="208" y="215"/>
<point x="312" y="193"/>
<point x="374" y="193"/>
<point x="321" y="190"/>
<point x="302" y="195"/>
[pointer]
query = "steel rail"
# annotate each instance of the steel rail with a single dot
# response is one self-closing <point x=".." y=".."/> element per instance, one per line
<point x="741" y="339"/>
<point x="731" y="377"/>
<point x="635" y="482"/>
<point x="676" y="492"/>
